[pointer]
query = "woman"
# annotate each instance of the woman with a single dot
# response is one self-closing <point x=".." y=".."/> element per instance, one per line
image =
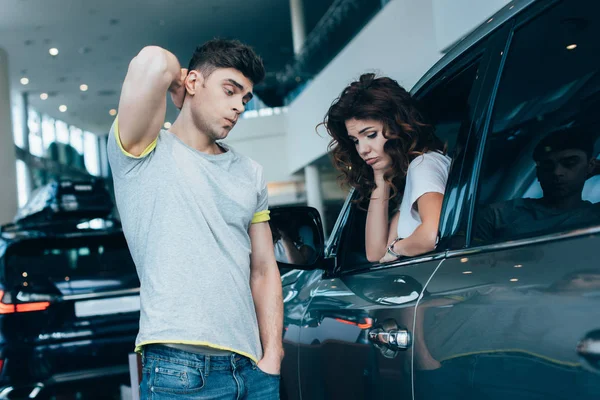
<point x="386" y="150"/>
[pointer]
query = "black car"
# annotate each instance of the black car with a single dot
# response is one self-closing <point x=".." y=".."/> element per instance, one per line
<point x="67" y="199"/>
<point x="508" y="304"/>
<point x="69" y="308"/>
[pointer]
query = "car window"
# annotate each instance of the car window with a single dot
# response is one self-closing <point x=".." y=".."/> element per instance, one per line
<point x="446" y="103"/>
<point x="539" y="173"/>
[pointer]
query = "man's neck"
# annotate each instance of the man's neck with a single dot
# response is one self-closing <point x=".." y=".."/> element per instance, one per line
<point x="188" y="133"/>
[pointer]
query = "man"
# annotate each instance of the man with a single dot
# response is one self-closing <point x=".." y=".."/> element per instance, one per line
<point x="195" y="214"/>
<point x="564" y="161"/>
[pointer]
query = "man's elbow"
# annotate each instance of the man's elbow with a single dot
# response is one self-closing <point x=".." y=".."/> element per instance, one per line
<point x="152" y="62"/>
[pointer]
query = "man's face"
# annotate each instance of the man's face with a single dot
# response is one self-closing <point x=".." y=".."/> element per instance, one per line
<point x="218" y="100"/>
<point x="563" y="173"/>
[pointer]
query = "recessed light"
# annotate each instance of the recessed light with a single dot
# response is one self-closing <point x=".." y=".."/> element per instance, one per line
<point x="514" y="280"/>
<point x="53" y="51"/>
<point x="167" y="125"/>
<point x="44" y="96"/>
<point x="572" y="46"/>
<point x="113" y="112"/>
<point x="83" y="88"/>
<point x="464" y="260"/>
<point x="467" y="272"/>
<point x="24" y="81"/>
<point x="62" y="108"/>
<point x="518" y="266"/>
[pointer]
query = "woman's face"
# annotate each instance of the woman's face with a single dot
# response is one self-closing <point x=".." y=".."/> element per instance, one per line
<point x="368" y="139"/>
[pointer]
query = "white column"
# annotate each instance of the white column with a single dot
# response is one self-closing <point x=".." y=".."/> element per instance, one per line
<point x="8" y="159"/>
<point x="298" y="25"/>
<point x="314" y="193"/>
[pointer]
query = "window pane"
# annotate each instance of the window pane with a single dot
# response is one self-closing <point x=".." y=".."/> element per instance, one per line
<point x="48" y="133"/>
<point x="538" y="171"/>
<point x="35" y="133"/>
<point x="62" y="132"/>
<point x="450" y="118"/>
<point x="17" y="121"/>
<point x="22" y="189"/>
<point x="90" y="152"/>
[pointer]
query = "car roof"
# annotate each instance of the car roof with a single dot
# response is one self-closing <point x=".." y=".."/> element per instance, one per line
<point x="472" y="38"/>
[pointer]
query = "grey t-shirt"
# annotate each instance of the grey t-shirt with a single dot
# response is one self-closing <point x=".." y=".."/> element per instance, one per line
<point x="186" y="216"/>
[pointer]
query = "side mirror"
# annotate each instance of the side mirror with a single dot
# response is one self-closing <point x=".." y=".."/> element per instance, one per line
<point x="298" y="237"/>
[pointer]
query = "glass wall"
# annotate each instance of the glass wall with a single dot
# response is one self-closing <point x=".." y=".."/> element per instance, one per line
<point x="52" y="149"/>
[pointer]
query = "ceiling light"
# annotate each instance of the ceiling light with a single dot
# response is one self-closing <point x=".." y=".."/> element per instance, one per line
<point x="24" y="81"/>
<point x="83" y="88"/>
<point x="518" y="266"/>
<point x="113" y="112"/>
<point x="514" y="280"/>
<point x="62" y="108"/>
<point x="467" y="272"/>
<point x="53" y="51"/>
<point x="572" y="46"/>
<point x="167" y="125"/>
<point x="44" y="96"/>
<point x="464" y="260"/>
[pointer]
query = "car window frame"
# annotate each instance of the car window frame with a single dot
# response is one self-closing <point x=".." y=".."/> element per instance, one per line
<point x="477" y="53"/>
<point x="528" y="16"/>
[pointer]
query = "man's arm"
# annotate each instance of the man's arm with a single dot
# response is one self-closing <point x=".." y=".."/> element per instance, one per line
<point x="265" y="283"/>
<point x="143" y="105"/>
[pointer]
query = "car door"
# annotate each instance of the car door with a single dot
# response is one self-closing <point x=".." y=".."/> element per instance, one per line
<point x="351" y="339"/>
<point x="516" y="314"/>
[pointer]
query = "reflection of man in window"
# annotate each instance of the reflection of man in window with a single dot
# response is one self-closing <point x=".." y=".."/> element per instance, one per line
<point x="564" y="161"/>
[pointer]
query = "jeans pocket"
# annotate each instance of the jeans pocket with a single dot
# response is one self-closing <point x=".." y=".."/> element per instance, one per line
<point x="266" y="373"/>
<point x="172" y="378"/>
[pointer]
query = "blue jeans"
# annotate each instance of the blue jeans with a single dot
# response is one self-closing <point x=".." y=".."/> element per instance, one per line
<point x="169" y="373"/>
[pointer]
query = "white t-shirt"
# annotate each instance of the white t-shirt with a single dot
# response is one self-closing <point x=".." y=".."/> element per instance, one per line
<point x="427" y="173"/>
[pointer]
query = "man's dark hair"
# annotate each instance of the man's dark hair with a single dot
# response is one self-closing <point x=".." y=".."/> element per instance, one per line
<point x="566" y="139"/>
<point x="223" y="53"/>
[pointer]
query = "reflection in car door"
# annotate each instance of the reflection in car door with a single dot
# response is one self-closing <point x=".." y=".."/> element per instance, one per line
<point x="519" y="318"/>
<point x="337" y="358"/>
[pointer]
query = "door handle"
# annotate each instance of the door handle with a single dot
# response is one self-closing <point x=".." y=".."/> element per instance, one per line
<point x="395" y="339"/>
<point x="389" y="338"/>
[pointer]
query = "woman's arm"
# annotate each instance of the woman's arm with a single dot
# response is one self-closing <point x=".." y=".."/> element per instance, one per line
<point x="377" y="228"/>
<point x="424" y="237"/>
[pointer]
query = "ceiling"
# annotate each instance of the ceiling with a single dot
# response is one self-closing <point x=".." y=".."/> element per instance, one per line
<point x="97" y="39"/>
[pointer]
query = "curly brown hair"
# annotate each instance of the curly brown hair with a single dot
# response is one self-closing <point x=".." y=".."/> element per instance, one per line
<point x="409" y="134"/>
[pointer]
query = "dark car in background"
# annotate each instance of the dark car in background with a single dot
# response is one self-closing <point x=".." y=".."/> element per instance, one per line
<point x="69" y="298"/>
<point x="67" y="199"/>
<point x="508" y="304"/>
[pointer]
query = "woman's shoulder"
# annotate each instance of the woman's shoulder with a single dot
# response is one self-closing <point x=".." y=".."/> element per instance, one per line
<point x="431" y="159"/>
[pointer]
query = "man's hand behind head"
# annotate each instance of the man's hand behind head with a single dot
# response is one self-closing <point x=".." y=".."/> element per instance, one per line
<point x="177" y="89"/>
